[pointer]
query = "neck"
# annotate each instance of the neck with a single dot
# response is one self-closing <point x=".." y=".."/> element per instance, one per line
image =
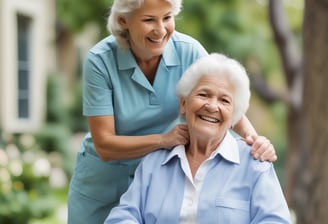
<point x="198" y="151"/>
<point x="149" y="67"/>
<point x="195" y="158"/>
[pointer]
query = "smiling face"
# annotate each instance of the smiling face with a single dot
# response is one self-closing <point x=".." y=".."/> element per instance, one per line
<point x="150" y="28"/>
<point x="209" y="107"/>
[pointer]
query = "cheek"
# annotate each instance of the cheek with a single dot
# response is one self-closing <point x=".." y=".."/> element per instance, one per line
<point x="143" y="30"/>
<point x="170" y="27"/>
<point x="140" y="29"/>
<point x="228" y="112"/>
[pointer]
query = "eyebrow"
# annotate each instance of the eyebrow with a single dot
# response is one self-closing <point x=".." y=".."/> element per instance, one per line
<point x="206" y="89"/>
<point x="169" y="13"/>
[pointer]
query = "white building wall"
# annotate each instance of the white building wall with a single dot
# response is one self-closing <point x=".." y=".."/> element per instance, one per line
<point x="42" y="54"/>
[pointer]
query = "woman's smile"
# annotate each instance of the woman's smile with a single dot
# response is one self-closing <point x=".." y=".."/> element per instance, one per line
<point x="209" y="119"/>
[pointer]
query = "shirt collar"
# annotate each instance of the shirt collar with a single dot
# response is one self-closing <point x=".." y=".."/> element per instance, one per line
<point x="228" y="149"/>
<point x="170" y="55"/>
<point x="125" y="59"/>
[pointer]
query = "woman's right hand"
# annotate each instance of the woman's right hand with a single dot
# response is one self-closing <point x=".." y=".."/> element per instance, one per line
<point x="177" y="136"/>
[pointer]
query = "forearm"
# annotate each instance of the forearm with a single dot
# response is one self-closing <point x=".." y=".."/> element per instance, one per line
<point x="115" y="147"/>
<point x="110" y="146"/>
<point x="244" y="127"/>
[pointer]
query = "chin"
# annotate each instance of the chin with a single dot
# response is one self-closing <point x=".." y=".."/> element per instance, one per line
<point x="157" y="52"/>
<point x="159" y="48"/>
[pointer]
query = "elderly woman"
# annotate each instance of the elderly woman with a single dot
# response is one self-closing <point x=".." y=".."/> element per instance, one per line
<point x="213" y="179"/>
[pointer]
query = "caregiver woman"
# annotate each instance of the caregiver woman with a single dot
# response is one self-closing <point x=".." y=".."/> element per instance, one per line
<point x="129" y="82"/>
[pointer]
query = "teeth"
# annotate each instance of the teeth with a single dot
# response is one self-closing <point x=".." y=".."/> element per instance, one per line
<point x="156" y="41"/>
<point x="209" y="119"/>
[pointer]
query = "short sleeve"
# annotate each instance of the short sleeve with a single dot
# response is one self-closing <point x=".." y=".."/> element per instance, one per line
<point x="97" y="90"/>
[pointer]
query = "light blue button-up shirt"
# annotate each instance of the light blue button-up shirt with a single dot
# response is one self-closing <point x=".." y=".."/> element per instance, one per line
<point x="236" y="189"/>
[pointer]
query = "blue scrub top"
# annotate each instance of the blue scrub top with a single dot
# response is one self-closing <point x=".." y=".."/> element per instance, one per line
<point x="115" y="85"/>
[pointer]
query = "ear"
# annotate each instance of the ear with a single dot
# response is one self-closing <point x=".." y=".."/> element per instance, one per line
<point x="182" y="105"/>
<point x="123" y="22"/>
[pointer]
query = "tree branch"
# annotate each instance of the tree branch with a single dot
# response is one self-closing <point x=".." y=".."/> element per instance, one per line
<point x="268" y="94"/>
<point x="290" y="54"/>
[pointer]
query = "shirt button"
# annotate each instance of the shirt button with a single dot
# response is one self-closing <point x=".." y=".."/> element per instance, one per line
<point x="153" y="99"/>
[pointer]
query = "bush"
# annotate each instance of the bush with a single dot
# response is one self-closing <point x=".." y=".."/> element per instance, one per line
<point x="24" y="186"/>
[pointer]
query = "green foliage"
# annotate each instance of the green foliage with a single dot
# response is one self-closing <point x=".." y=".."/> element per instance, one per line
<point x="76" y="14"/>
<point x="230" y="27"/>
<point x="55" y="111"/>
<point x="53" y="137"/>
<point x="28" y="163"/>
<point x="56" y="133"/>
<point x="213" y="23"/>
<point x="24" y="186"/>
<point x="77" y="122"/>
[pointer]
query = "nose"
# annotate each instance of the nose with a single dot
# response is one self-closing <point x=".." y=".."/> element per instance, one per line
<point x="159" y="28"/>
<point x="212" y="106"/>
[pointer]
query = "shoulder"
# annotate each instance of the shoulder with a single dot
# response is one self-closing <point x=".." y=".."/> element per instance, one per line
<point x="155" y="162"/>
<point x="156" y="157"/>
<point x="104" y="46"/>
<point x="247" y="160"/>
<point x="186" y="42"/>
<point x="181" y="37"/>
<point x="102" y="53"/>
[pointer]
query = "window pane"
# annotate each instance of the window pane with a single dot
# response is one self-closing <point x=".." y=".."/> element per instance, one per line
<point x="23" y="110"/>
<point x="22" y="80"/>
<point x="23" y="44"/>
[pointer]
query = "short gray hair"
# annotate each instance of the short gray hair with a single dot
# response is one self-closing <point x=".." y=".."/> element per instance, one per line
<point x="124" y="8"/>
<point x="220" y="65"/>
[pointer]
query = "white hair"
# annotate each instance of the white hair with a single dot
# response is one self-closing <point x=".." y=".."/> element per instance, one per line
<point x="220" y="65"/>
<point x="124" y="8"/>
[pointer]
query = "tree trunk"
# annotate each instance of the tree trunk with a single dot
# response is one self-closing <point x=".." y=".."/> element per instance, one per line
<point x="307" y="166"/>
<point x="312" y="179"/>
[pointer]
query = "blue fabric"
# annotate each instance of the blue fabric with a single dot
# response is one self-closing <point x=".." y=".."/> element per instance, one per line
<point x="233" y="192"/>
<point x="113" y="84"/>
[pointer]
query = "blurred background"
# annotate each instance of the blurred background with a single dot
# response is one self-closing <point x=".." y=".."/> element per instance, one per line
<point x="282" y="43"/>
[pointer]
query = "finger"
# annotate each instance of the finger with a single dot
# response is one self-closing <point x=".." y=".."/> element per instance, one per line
<point x="249" y="140"/>
<point x="268" y="155"/>
<point x="259" y="142"/>
<point x="258" y="148"/>
<point x="182" y="126"/>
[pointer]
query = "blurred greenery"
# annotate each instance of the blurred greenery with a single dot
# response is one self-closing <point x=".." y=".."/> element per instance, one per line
<point x="76" y="14"/>
<point x="35" y="168"/>
<point x="26" y="174"/>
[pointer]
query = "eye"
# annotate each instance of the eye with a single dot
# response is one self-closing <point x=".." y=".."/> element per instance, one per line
<point x="226" y="101"/>
<point x="166" y="18"/>
<point x="148" y="20"/>
<point x="202" y="94"/>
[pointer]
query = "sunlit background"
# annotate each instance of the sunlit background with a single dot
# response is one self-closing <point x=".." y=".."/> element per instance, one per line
<point x="42" y="46"/>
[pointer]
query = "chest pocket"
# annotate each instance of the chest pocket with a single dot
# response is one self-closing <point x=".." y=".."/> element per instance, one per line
<point x="232" y="210"/>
